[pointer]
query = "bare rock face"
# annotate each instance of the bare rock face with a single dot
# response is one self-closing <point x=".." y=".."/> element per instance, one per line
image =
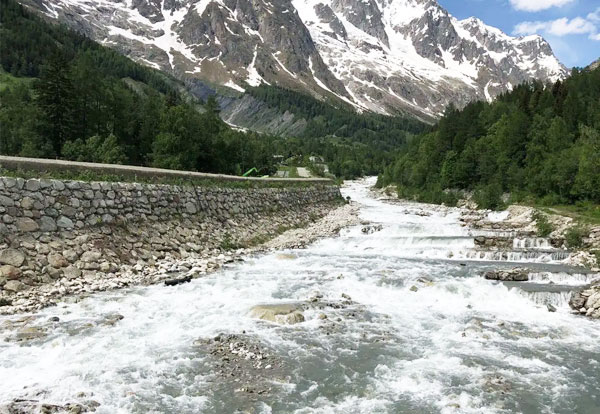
<point x="385" y="56"/>
<point x="587" y="301"/>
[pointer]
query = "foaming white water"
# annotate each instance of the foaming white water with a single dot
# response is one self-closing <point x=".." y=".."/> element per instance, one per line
<point x="420" y="335"/>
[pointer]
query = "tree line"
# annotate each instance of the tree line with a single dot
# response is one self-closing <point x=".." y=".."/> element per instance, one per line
<point x="539" y="141"/>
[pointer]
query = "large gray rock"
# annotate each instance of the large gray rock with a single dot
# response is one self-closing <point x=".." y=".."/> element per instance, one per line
<point x="286" y="313"/>
<point x="12" y="257"/>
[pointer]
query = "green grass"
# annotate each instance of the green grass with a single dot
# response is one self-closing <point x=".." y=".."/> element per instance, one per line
<point x="89" y="176"/>
<point x="7" y="80"/>
<point x="583" y="213"/>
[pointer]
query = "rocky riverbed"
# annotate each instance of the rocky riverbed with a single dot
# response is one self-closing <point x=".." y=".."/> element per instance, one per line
<point x="511" y="236"/>
<point x="393" y="314"/>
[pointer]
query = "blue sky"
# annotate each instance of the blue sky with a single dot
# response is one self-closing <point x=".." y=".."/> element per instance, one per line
<point x="572" y="27"/>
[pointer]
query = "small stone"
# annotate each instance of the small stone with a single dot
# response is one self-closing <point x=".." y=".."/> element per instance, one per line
<point x="54" y="319"/>
<point x="58" y="185"/>
<point x="6" y="201"/>
<point x="64" y="222"/>
<point x="90" y="256"/>
<point x="413" y="288"/>
<point x="26" y="224"/>
<point x="32" y="185"/>
<point x="190" y="208"/>
<point x="70" y="255"/>
<point x="12" y="257"/>
<point x="57" y="260"/>
<point x="27" y="203"/>
<point x="72" y="272"/>
<point x="14" y="286"/>
<point x="10" y="272"/>
<point x="47" y="224"/>
<point x="551" y="308"/>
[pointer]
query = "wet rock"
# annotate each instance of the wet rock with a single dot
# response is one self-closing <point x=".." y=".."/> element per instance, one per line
<point x="12" y="257"/>
<point x="551" y="308"/>
<point x="111" y="319"/>
<point x="513" y="275"/>
<point x="5" y="302"/>
<point x="413" y="288"/>
<point x="496" y="383"/>
<point x="425" y="280"/>
<point x="288" y="314"/>
<point x="27" y="406"/>
<point x="178" y="281"/>
<point x="243" y="363"/>
<point x="29" y="333"/>
<point x="372" y="229"/>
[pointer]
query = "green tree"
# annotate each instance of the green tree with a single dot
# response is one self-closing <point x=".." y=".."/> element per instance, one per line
<point x="55" y="96"/>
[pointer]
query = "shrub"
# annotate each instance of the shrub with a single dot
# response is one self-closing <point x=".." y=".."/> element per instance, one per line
<point x="574" y="236"/>
<point x="544" y="227"/>
<point x="489" y="197"/>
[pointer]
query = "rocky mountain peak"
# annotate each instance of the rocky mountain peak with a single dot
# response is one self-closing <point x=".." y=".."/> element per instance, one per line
<point x="385" y="56"/>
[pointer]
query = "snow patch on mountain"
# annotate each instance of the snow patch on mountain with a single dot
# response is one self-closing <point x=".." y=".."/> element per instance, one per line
<point x="378" y="55"/>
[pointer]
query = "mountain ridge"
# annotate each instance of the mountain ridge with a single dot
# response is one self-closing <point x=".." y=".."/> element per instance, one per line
<point x="384" y="56"/>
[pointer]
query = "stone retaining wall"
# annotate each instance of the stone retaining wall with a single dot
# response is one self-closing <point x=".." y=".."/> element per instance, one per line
<point x="59" y="237"/>
<point x="52" y="205"/>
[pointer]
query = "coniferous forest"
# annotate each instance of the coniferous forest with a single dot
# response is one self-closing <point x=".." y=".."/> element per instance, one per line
<point x="539" y="142"/>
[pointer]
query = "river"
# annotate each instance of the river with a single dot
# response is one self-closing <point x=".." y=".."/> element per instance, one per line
<point x="402" y="322"/>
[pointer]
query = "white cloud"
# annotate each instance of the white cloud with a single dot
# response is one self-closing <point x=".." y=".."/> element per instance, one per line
<point x="594" y="16"/>
<point x="537" y="5"/>
<point x="560" y="27"/>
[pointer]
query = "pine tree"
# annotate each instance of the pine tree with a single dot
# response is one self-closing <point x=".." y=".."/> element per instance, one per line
<point x="55" y="96"/>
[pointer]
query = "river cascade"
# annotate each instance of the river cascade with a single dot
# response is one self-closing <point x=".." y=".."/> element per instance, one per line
<point x="392" y="316"/>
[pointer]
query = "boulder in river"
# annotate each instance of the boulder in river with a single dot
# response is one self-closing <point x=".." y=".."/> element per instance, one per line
<point x="511" y="275"/>
<point x="285" y="313"/>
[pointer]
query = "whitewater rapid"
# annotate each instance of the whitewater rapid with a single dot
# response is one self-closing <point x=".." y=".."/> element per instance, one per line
<point x="423" y="333"/>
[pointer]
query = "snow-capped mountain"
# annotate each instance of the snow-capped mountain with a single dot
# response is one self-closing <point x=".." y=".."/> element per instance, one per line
<point x="379" y="55"/>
